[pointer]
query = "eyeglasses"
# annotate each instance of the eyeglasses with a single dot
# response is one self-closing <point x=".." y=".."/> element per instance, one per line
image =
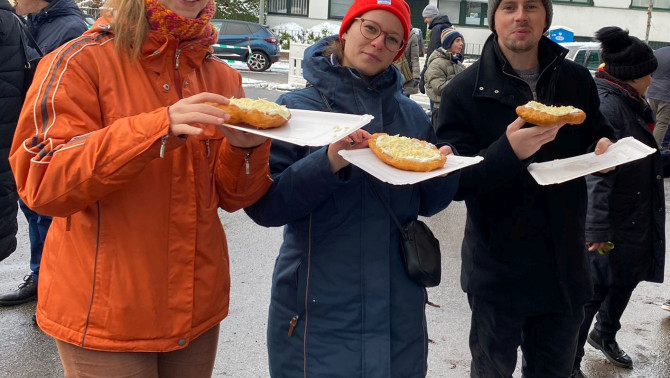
<point x="371" y="30"/>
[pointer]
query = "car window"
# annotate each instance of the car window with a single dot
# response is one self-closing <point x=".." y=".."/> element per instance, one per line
<point x="254" y="27"/>
<point x="593" y="61"/>
<point x="218" y="25"/>
<point x="236" y="29"/>
<point x="580" y="57"/>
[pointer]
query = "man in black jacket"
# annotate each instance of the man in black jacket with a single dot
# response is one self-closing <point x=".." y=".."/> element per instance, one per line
<point x="524" y="265"/>
<point x="436" y="23"/>
<point x="11" y="99"/>
<point x="51" y="23"/>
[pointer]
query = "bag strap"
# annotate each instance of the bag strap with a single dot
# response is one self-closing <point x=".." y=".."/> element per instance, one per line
<point x="387" y="206"/>
<point x="25" y="33"/>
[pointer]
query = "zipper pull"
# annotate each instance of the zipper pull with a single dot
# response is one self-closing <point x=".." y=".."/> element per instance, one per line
<point x="176" y="64"/>
<point x="164" y="139"/>
<point x="207" y="144"/>
<point x="246" y="161"/>
<point x="292" y="324"/>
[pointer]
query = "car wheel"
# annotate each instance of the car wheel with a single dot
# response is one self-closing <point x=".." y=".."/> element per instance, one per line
<point x="259" y="61"/>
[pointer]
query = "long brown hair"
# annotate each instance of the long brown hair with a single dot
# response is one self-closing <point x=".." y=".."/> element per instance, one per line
<point x="334" y="47"/>
<point x="130" y="25"/>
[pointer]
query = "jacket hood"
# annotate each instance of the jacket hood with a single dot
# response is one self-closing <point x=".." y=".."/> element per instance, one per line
<point x="443" y="19"/>
<point x="57" y="8"/>
<point x="340" y="78"/>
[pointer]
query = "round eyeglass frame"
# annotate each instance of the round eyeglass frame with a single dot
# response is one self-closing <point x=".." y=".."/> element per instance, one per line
<point x="363" y="33"/>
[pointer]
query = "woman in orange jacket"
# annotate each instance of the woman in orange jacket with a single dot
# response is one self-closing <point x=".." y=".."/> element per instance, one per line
<point x="115" y="141"/>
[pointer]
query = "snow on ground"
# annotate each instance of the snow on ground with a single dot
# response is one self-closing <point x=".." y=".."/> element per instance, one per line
<point x="281" y="66"/>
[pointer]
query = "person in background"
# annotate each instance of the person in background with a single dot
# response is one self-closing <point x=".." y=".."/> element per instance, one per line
<point x="658" y="95"/>
<point x="627" y="207"/>
<point x="51" y="23"/>
<point x="11" y="98"/>
<point x="342" y="303"/>
<point x="124" y="153"/>
<point x="524" y="265"/>
<point x="436" y="23"/>
<point x="443" y="64"/>
<point x="412" y="72"/>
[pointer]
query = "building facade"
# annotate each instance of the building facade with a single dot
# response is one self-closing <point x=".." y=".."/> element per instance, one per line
<point x="581" y="17"/>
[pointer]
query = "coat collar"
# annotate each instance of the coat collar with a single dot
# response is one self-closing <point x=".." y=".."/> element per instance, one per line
<point x="159" y="52"/>
<point x="160" y="49"/>
<point x="490" y="82"/>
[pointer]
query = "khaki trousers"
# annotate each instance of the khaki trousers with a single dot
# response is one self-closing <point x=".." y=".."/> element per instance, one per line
<point x="194" y="361"/>
<point x="661" y="111"/>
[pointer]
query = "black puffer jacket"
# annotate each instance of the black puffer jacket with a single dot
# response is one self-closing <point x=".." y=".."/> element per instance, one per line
<point x="11" y="99"/>
<point x="523" y="247"/>
<point x="627" y="207"/>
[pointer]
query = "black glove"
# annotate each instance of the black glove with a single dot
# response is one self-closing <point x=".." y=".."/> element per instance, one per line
<point x="422" y="86"/>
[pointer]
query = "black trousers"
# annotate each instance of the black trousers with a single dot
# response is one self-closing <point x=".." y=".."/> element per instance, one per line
<point x="608" y="303"/>
<point x="548" y="342"/>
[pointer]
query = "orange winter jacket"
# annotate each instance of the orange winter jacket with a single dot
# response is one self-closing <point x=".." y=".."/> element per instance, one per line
<point x="136" y="257"/>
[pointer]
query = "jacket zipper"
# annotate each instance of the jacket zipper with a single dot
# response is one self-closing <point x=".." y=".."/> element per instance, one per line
<point x="538" y="77"/>
<point x="309" y="264"/>
<point x="177" y="77"/>
<point x="247" y="155"/>
<point x="164" y="139"/>
<point x="292" y="324"/>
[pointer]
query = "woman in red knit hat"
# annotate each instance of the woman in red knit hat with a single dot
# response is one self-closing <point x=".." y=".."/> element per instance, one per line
<point x="342" y="303"/>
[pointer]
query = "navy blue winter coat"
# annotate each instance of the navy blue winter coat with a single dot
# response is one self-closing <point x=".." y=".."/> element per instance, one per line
<point x="628" y="206"/>
<point x="339" y="276"/>
<point x="57" y="23"/>
<point x="11" y="99"/>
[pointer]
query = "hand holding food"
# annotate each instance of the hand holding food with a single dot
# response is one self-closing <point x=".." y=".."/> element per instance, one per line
<point x="190" y="115"/>
<point x="258" y="113"/>
<point x="406" y="153"/>
<point x="356" y="140"/>
<point x="545" y="115"/>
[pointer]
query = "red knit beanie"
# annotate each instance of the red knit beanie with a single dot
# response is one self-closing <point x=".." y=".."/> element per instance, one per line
<point x="399" y="8"/>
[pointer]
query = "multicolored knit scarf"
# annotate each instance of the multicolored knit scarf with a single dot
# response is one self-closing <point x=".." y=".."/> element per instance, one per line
<point x="165" y="21"/>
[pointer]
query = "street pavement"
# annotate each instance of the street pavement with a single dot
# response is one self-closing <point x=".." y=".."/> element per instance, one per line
<point x="27" y="352"/>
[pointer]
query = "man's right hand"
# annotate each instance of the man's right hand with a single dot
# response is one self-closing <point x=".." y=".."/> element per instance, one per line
<point x="526" y="142"/>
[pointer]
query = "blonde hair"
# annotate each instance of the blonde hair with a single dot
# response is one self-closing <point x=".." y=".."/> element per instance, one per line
<point x="130" y="25"/>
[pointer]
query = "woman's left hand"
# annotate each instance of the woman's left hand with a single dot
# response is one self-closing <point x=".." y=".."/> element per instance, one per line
<point x="601" y="147"/>
<point x="446" y="150"/>
<point x="357" y="139"/>
<point x="242" y="139"/>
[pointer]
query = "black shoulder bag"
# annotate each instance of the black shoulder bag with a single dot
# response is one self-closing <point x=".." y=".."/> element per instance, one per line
<point x="420" y="248"/>
<point x="31" y="63"/>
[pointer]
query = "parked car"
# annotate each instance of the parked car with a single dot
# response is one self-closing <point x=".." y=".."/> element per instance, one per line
<point x="90" y="20"/>
<point x="246" y="42"/>
<point x="585" y="53"/>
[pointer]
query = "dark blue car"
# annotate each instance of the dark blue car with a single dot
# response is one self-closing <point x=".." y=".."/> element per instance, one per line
<point x="246" y="42"/>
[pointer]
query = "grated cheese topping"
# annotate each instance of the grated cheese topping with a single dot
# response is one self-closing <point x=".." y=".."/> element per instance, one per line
<point x="553" y="110"/>
<point x="407" y="148"/>
<point x="262" y="105"/>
